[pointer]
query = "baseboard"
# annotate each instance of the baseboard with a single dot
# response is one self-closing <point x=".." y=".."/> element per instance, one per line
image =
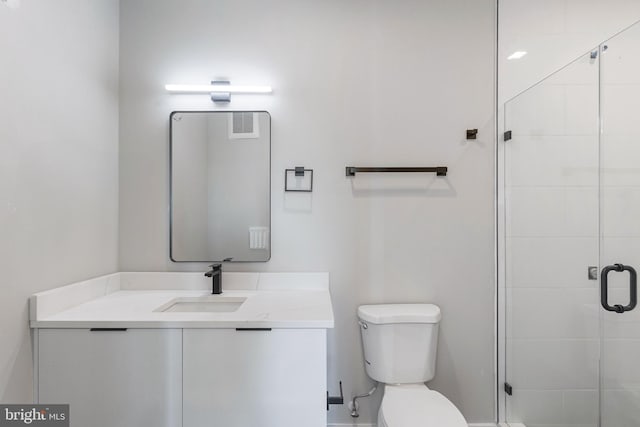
<point x="351" y="425"/>
<point x="373" y="425"/>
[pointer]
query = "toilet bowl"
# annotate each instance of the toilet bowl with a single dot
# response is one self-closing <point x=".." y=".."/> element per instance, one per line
<point x="400" y="343"/>
<point x="417" y="406"/>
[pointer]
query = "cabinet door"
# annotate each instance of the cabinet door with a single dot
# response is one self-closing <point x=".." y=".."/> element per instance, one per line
<point x="255" y="378"/>
<point x="127" y="378"/>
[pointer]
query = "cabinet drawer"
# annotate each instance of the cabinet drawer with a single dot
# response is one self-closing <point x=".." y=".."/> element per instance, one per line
<point x="266" y="378"/>
<point x="124" y="378"/>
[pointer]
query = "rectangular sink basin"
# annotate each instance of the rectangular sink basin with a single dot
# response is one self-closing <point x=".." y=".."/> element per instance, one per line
<point x="206" y="304"/>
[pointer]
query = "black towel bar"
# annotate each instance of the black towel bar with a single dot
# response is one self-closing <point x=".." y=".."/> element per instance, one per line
<point x="438" y="170"/>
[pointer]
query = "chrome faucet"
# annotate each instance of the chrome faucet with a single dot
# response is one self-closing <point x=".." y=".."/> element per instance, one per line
<point x="216" y="278"/>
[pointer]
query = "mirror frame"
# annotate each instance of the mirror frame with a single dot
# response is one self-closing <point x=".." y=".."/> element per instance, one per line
<point x="171" y="181"/>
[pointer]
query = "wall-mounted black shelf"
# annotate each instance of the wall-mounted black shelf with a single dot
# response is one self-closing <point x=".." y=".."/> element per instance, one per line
<point x="438" y="170"/>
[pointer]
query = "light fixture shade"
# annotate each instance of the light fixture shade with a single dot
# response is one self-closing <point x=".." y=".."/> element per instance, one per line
<point x="213" y="88"/>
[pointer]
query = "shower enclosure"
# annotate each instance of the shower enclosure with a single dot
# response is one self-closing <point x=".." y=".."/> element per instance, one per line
<point x="571" y="192"/>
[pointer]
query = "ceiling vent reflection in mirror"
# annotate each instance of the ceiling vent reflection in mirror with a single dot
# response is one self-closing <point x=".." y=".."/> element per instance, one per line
<point x="243" y="125"/>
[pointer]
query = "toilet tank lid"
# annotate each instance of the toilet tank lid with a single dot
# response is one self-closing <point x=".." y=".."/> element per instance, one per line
<point x="399" y="313"/>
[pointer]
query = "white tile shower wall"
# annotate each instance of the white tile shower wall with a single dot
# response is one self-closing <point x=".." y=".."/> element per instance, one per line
<point x="58" y="161"/>
<point x="568" y="312"/>
<point x="553" y="33"/>
<point x="382" y="238"/>
<point x="551" y="408"/>
<point x="550" y="267"/>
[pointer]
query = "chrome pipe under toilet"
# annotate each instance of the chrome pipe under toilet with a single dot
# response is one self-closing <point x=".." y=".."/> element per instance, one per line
<point x="354" y="401"/>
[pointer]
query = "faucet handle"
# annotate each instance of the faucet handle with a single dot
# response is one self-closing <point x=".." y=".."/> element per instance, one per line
<point x="215" y="266"/>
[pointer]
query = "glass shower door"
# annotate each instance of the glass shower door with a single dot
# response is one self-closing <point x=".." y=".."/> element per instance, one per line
<point x="620" y="225"/>
<point x="551" y="188"/>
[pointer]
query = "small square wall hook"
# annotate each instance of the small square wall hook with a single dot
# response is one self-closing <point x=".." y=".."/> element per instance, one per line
<point x="472" y="133"/>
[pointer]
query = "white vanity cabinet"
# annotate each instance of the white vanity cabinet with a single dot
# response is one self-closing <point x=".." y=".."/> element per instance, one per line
<point x="127" y="378"/>
<point x="185" y="377"/>
<point x="262" y="378"/>
<point x="263" y="364"/>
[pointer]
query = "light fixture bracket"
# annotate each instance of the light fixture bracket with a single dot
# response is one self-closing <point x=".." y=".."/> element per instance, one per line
<point x="221" y="96"/>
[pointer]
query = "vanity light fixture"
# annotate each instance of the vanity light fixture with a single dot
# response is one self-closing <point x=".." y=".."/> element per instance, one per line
<point x="220" y="90"/>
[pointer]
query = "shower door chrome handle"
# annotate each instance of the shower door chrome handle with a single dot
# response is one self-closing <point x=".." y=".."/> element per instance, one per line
<point x="604" y="288"/>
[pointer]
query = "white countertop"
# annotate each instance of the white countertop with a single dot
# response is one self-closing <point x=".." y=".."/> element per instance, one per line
<point x="128" y="300"/>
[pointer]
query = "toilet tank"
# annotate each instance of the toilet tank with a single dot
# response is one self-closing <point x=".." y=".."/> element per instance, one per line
<point x="399" y="341"/>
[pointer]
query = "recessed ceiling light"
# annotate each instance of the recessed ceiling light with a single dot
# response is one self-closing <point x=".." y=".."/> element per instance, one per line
<point x="517" y="55"/>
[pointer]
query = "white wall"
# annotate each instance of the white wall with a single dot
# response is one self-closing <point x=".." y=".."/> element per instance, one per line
<point x="58" y="161"/>
<point x="356" y="82"/>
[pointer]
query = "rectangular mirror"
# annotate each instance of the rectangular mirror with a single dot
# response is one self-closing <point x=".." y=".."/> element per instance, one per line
<point x="220" y="186"/>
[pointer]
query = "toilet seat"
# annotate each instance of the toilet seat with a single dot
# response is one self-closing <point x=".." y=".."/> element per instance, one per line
<point x="417" y="406"/>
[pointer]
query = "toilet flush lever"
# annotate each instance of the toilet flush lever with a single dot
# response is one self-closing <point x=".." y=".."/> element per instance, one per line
<point x="363" y="324"/>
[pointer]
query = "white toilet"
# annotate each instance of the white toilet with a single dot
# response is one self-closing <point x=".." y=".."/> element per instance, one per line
<point x="400" y="342"/>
